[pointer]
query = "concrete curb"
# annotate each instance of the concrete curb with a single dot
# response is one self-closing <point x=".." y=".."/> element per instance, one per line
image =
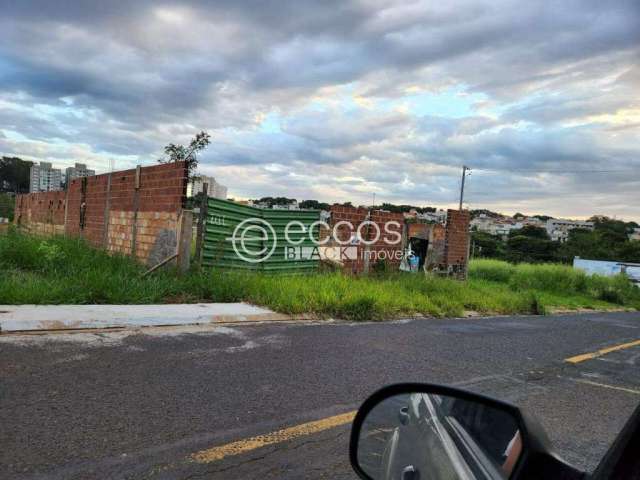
<point x="32" y="318"/>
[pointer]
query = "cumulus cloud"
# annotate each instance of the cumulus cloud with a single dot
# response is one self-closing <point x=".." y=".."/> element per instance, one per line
<point x="338" y="100"/>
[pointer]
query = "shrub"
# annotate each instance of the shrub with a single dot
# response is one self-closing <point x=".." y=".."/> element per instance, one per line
<point x="616" y="289"/>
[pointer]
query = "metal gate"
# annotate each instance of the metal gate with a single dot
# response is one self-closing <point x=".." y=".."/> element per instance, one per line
<point x="238" y="236"/>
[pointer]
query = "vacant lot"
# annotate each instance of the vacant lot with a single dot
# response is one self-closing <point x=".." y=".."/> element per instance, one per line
<point x="67" y="271"/>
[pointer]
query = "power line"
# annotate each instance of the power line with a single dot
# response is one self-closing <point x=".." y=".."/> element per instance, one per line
<point x="532" y="170"/>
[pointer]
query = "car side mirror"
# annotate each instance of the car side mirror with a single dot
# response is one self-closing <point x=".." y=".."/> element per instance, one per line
<point x="421" y="431"/>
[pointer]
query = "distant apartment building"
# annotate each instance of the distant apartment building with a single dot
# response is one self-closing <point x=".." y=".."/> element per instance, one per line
<point x="503" y="229"/>
<point x="500" y="226"/>
<point x="635" y="235"/>
<point x="482" y="223"/>
<point x="532" y="222"/>
<point x="78" y="171"/>
<point x="439" y="216"/>
<point x="559" y="228"/>
<point x="44" y="178"/>
<point x="293" y="205"/>
<point x="214" y="189"/>
<point x="287" y="206"/>
<point x="413" y="213"/>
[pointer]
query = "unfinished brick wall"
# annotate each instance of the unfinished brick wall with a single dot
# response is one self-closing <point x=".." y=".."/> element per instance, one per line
<point x="114" y="211"/>
<point x="378" y="251"/>
<point x="435" y="234"/>
<point x="41" y="213"/>
<point x="456" y="248"/>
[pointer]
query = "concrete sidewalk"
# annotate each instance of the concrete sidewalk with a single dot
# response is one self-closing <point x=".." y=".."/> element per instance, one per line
<point x="14" y="318"/>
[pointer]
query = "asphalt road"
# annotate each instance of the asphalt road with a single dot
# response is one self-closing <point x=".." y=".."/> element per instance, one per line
<point x="130" y="405"/>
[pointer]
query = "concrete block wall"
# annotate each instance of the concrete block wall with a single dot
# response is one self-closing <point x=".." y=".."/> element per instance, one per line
<point x="108" y="211"/>
<point x="156" y="234"/>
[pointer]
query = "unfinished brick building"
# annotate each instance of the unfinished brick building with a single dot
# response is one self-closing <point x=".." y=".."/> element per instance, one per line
<point x="135" y="212"/>
<point x="442" y="249"/>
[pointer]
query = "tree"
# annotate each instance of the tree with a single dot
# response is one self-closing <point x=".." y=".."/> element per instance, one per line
<point x="530" y="231"/>
<point x="487" y="245"/>
<point x="271" y="201"/>
<point x="14" y="174"/>
<point x="521" y="248"/>
<point x="314" y="204"/>
<point x="188" y="154"/>
<point x="629" y="252"/>
<point x="392" y="207"/>
<point x="606" y="242"/>
<point x="611" y="231"/>
<point x="582" y="243"/>
<point x="7" y="204"/>
<point x="194" y="201"/>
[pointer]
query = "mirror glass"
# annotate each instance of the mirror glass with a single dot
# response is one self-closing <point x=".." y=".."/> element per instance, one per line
<point x="421" y="436"/>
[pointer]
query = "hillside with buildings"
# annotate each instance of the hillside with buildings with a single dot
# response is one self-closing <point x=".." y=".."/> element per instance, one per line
<point x="557" y="228"/>
<point x="531" y="239"/>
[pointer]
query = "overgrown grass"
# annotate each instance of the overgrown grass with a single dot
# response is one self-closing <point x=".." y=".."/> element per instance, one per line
<point x="67" y="271"/>
<point x="558" y="282"/>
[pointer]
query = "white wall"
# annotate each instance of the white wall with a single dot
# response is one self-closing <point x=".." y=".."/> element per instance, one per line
<point x="607" y="269"/>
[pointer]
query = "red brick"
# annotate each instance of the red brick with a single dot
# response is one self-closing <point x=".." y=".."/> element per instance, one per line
<point x="162" y="189"/>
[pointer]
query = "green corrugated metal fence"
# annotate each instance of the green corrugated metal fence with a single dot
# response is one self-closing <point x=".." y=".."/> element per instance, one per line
<point x="263" y="230"/>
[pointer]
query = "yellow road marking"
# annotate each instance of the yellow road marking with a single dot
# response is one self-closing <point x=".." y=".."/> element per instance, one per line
<point x="604" y="351"/>
<point x="242" y="446"/>
<point x="612" y="387"/>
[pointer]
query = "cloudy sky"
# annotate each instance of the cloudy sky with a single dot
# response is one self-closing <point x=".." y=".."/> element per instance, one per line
<point x="340" y="100"/>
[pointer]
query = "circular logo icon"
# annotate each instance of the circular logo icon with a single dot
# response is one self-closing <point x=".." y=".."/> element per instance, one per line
<point x="250" y="232"/>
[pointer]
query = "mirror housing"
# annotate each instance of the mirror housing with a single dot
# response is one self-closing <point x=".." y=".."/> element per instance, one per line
<point x="536" y="459"/>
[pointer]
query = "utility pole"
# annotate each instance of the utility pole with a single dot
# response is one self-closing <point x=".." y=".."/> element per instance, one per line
<point x="464" y="175"/>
